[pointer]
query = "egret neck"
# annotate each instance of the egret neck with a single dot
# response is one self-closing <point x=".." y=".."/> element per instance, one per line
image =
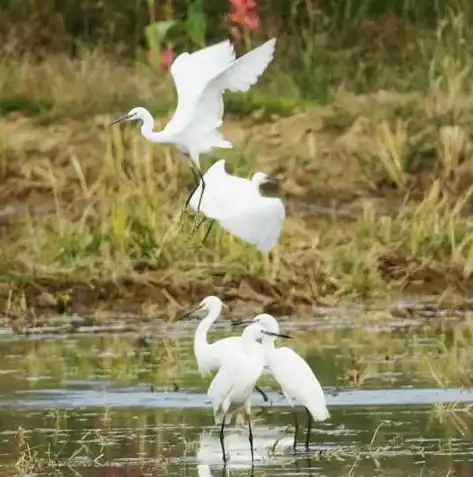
<point x="249" y="339"/>
<point x="147" y="125"/>
<point x="201" y="344"/>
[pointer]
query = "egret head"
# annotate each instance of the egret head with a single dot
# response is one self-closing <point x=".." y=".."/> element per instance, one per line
<point x="265" y="183"/>
<point x="134" y="114"/>
<point x="207" y="305"/>
<point x="267" y="324"/>
<point x="260" y="178"/>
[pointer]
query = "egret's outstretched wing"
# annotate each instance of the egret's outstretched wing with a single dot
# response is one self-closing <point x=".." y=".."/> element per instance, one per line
<point x="191" y="73"/>
<point x="298" y="381"/>
<point x="201" y="129"/>
<point x="246" y="70"/>
<point x="258" y="222"/>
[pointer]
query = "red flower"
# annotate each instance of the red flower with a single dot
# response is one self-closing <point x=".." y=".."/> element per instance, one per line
<point x="251" y="21"/>
<point x="167" y="57"/>
<point x="243" y="4"/>
<point x="244" y="14"/>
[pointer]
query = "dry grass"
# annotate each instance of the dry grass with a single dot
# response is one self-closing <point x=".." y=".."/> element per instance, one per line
<point x="96" y="208"/>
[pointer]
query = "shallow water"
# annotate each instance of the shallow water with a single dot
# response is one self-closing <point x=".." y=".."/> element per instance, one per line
<point x="132" y="403"/>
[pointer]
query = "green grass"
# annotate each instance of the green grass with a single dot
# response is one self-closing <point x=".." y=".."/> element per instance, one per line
<point x="383" y="135"/>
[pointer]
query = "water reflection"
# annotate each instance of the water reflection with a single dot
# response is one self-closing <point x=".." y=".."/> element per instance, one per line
<point x="106" y="407"/>
<point x="268" y="444"/>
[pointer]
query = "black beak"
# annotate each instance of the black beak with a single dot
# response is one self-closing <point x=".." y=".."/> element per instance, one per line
<point x="271" y="180"/>
<point x="278" y="335"/>
<point x="127" y="117"/>
<point x="191" y="311"/>
<point x="241" y="322"/>
<point x="195" y="309"/>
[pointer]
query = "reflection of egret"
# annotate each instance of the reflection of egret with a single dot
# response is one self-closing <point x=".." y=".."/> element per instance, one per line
<point x="266" y="443"/>
<point x="210" y="356"/>
<point x="231" y="388"/>
<point x="294" y="375"/>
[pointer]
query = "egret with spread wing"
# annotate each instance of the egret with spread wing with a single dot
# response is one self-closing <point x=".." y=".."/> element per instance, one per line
<point x="297" y="380"/>
<point x="239" y="207"/>
<point x="200" y="79"/>
<point x="210" y="356"/>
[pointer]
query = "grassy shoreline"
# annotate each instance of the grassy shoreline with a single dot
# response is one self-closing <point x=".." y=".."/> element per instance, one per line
<point x="377" y="187"/>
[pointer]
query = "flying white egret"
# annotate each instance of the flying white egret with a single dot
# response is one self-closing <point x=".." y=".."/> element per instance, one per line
<point x="231" y="388"/>
<point x="210" y="356"/>
<point x="297" y="380"/>
<point x="239" y="207"/>
<point x="200" y="79"/>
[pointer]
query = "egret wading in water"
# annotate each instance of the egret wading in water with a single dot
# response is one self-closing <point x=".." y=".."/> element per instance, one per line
<point x="239" y="207"/>
<point x="231" y="388"/>
<point x="297" y="380"/>
<point x="200" y="79"/>
<point x="210" y="356"/>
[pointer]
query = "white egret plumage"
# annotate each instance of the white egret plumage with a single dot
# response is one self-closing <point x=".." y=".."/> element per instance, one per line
<point x="210" y="356"/>
<point x="297" y="380"/>
<point x="239" y="207"/>
<point x="200" y="79"/>
<point x="231" y="388"/>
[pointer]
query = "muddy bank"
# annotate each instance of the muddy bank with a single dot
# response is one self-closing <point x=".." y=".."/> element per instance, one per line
<point x="158" y="295"/>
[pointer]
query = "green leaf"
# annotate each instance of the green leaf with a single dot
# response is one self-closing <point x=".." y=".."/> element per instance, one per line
<point x="162" y="28"/>
<point x="196" y="23"/>
<point x="155" y="34"/>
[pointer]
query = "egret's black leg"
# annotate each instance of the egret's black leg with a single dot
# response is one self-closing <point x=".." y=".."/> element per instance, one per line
<point x="196" y="177"/>
<point x="296" y="428"/>
<point x="208" y="230"/>
<point x="203" y="189"/>
<point x="265" y="396"/>
<point x="221" y="441"/>
<point x="309" y="428"/>
<point x="251" y="439"/>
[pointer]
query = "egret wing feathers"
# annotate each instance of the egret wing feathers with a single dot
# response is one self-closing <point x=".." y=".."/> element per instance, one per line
<point x="298" y="381"/>
<point x="222" y="191"/>
<point x="197" y="120"/>
<point x="233" y="384"/>
<point x="258" y="223"/>
<point x="192" y="71"/>
<point x="217" y="352"/>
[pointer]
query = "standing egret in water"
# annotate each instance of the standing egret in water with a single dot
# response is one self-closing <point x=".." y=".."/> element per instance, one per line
<point x="210" y="356"/>
<point x="297" y="380"/>
<point x="239" y="207"/>
<point x="200" y="79"/>
<point x="231" y="388"/>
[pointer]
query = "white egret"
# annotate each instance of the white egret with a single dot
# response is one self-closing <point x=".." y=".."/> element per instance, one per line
<point x="239" y="207"/>
<point x="297" y="380"/>
<point x="231" y="388"/>
<point x="200" y="79"/>
<point x="210" y="356"/>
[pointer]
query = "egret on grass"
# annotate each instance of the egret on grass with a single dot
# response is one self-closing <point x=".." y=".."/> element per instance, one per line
<point x="297" y="380"/>
<point x="210" y="356"/>
<point x="200" y="79"/>
<point x="231" y="388"/>
<point x="239" y="207"/>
